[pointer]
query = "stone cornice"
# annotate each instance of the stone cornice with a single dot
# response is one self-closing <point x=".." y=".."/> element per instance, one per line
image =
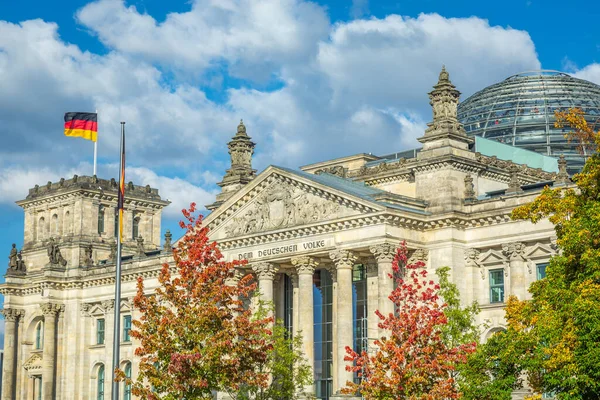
<point x="69" y="195"/>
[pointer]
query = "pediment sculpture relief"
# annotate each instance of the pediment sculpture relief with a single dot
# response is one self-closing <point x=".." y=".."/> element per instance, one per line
<point x="280" y="206"/>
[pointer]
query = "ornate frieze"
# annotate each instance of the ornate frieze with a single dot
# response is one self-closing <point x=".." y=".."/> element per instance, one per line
<point x="108" y="305"/>
<point x="494" y="161"/>
<point x="383" y="252"/>
<point x="304" y="265"/>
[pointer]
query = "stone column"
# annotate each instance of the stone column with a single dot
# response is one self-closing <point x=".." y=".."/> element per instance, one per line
<point x="9" y="372"/>
<point x="305" y="267"/>
<point x="384" y="254"/>
<point x="109" y="327"/>
<point x="50" y="311"/>
<point x="266" y="273"/>
<point x="344" y="261"/>
<point x="279" y="301"/>
<point x="372" y="302"/>
<point x="518" y="284"/>
<point x="295" y="301"/>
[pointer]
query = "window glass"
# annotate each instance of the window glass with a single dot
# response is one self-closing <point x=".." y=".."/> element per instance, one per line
<point x="127" y="388"/>
<point x="100" y="389"/>
<point x="39" y="336"/>
<point x="126" y="328"/>
<point x="323" y="333"/>
<point x="541" y="270"/>
<point x="101" y="219"/>
<point x="100" y="331"/>
<point x="497" y="286"/>
<point x="359" y="310"/>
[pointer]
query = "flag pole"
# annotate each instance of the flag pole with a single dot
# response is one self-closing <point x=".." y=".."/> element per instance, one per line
<point x="117" y="316"/>
<point x="95" y="149"/>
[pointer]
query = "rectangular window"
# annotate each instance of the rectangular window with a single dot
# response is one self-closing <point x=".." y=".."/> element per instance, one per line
<point x="497" y="286"/>
<point x="126" y="328"/>
<point x="541" y="270"/>
<point x="100" y="331"/>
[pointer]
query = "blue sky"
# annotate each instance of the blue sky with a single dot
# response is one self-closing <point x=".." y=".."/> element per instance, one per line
<point x="312" y="80"/>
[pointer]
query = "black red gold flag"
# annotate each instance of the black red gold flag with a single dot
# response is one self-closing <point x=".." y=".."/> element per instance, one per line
<point x="121" y="198"/>
<point x="81" y="124"/>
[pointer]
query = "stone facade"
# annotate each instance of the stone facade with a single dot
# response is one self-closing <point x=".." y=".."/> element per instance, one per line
<point x="311" y="237"/>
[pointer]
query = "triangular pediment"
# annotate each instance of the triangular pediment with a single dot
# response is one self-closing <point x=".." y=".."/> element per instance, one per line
<point x="34" y="362"/>
<point x="279" y="199"/>
<point x="491" y="257"/>
<point x="539" y="251"/>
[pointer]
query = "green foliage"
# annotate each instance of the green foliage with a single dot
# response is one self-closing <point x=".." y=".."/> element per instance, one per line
<point x="289" y="370"/>
<point x="554" y="339"/>
<point x="461" y="327"/>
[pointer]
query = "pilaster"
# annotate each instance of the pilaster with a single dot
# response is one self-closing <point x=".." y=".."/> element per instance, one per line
<point x="50" y="311"/>
<point x="12" y="317"/>
<point x="384" y="255"/>
<point x="515" y="252"/>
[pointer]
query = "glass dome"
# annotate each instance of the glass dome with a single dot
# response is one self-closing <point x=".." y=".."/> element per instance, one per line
<point x="520" y="111"/>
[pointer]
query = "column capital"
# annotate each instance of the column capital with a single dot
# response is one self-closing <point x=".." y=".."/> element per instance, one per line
<point x="343" y="259"/>
<point x="265" y="270"/>
<point x="12" y="314"/>
<point x="51" y="309"/>
<point x="305" y="265"/>
<point x="514" y="250"/>
<point x="383" y="252"/>
<point x="418" y="255"/>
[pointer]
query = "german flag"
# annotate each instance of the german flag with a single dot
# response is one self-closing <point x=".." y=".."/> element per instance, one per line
<point x="121" y="197"/>
<point x="80" y="124"/>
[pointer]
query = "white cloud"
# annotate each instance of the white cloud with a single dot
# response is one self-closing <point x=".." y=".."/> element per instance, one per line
<point x="179" y="191"/>
<point x="251" y="33"/>
<point x="590" y="73"/>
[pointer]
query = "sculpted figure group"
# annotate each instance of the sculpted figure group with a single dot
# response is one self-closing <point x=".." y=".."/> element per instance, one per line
<point x="15" y="260"/>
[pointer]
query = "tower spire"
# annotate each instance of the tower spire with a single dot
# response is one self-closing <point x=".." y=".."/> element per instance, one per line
<point x="240" y="172"/>
<point x="444" y="102"/>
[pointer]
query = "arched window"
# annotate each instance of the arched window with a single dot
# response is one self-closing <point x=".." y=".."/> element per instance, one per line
<point x="54" y="226"/>
<point x="136" y="227"/>
<point x="101" y="219"/>
<point x="39" y="335"/>
<point x="41" y="231"/>
<point x="127" y="387"/>
<point x="100" y="389"/>
<point x="67" y="223"/>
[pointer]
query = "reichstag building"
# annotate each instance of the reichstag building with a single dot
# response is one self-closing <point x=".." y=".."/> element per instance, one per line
<point x="319" y="239"/>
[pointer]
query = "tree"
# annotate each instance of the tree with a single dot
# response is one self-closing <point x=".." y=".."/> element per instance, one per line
<point x="195" y="334"/>
<point x="287" y="367"/>
<point x="414" y="362"/>
<point x="554" y="339"/>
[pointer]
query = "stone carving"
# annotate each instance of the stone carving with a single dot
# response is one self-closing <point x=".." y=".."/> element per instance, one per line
<point x="112" y="256"/>
<point x="365" y="171"/>
<point x="88" y="255"/>
<point x="554" y="244"/>
<point x="514" y="186"/>
<point x="294" y="278"/>
<point x="54" y="255"/>
<point x="469" y="188"/>
<point x="530" y="266"/>
<point x="343" y="259"/>
<point x="523" y="168"/>
<point x="85" y="308"/>
<point x="383" y="252"/>
<point x="514" y="250"/>
<point x="336" y="170"/>
<point x="21" y="263"/>
<point x="12" y="314"/>
<point x="12" y="257"/>
<point x="418" y="255"/>
<point x="562" y="178"/>
<point x="506" y="267"/>
<point x="304" y="265"/>
<point x="168" y="245"/>
<point x="281" y="205"/>
<point x="33" y="363"/>
<point x="444" y="102"/>
<point x="265" y="270"/>
<point x="108" y="305"/>
<point x="140" y="246"/>
<point x="51" y="309"/>
<point x="472" y="260"/>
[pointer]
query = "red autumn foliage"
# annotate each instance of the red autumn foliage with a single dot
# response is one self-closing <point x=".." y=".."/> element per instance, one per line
<point x="412" y="362"/>
<point x="195" y="334"/>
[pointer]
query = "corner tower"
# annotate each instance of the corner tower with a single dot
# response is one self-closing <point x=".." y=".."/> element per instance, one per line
<point x="240" y="173"/>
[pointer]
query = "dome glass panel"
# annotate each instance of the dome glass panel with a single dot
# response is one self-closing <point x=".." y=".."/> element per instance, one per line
<point x="520" y="111"/>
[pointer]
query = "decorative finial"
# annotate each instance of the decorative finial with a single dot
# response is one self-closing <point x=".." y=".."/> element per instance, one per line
<point x="469" y="188"/>
<point x="444" y="76"/>
<point x="241" y="129"/>
<point x="514" y="186"/>
<point x="562" y="178"/>
<point x="168" y="246"/>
